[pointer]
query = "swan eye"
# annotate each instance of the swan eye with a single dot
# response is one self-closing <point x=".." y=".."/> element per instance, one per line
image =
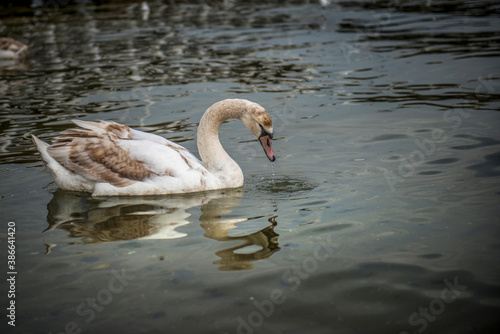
<point x="263" y="132"/>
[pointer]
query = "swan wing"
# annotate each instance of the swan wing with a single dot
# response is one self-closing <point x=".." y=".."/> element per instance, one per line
<point x="171" y="154"/>
<point x="161" y="155"/>
<point x="114" y="153"/>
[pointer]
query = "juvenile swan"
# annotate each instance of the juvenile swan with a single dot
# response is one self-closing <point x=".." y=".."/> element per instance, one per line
<point x="12" y="49"/>
<point x="110" y="159"/>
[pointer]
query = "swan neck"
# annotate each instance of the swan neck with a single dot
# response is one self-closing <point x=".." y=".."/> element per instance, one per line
<point x="213" y="155"/>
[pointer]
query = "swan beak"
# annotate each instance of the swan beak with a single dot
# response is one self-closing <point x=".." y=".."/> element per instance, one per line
<point x="265" y="140"/>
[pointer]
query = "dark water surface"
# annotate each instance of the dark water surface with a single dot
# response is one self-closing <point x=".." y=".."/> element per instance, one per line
<point x="380" y="215"/>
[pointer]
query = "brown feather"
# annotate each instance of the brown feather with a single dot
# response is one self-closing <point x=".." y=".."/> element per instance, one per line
<point x="97" y="156"/>
<point x="21" y="50"/>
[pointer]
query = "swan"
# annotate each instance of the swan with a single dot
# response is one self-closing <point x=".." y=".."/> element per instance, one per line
<point x="110" y="159"/>
<point x="12" y="49"/>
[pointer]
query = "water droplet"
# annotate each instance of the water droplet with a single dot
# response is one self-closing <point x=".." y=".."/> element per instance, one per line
<point x="273" y="174"/>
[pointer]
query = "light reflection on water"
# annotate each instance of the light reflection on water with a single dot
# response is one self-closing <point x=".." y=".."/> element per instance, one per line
<point x="94" y="220"/>
<point x="385" y="187"/>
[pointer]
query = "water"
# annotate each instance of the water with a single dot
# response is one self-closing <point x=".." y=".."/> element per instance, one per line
<point x="379" y="215"/>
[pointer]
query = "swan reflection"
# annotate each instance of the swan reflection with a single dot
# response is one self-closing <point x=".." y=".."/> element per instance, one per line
<point x="98" y="220"/>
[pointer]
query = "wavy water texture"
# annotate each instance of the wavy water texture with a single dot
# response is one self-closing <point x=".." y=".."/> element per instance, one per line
<point x="383" y="195"/>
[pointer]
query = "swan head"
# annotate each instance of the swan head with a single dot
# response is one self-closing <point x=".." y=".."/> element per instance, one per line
<point x="260" y="124"/>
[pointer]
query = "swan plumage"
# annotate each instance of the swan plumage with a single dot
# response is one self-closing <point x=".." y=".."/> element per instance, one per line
<point x="108" y="158"/>
<point x="12" y="49"/>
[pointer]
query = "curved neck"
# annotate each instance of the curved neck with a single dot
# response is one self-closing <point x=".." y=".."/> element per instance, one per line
<point x="213" y="155"/>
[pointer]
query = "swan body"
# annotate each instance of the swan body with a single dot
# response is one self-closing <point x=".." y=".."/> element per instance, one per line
<point x="12" y="49"/>
<point x="108" y="158"/>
